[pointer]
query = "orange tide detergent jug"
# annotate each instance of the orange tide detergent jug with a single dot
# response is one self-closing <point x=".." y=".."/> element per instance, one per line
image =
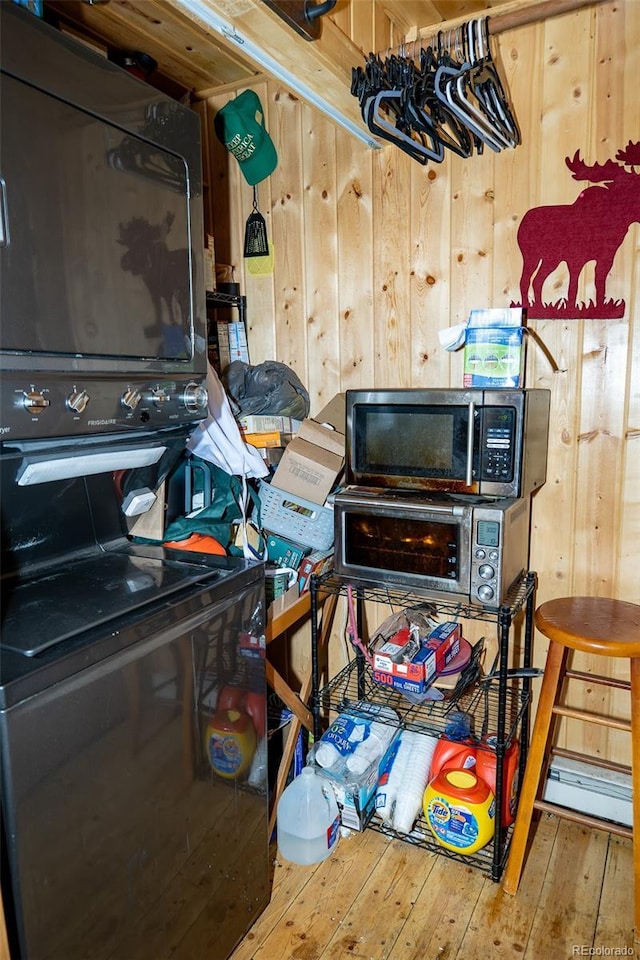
<point x="246" y="701"/>
<point x="486" y="769"/>
<point x="481" y="758"/>
<point x="453" y="755"/>
<point x="460" y="810"/>
<point x="230" y="743"/>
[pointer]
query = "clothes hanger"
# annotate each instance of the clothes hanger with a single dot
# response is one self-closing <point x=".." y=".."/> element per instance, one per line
<point x="455" y="99"/>
<point x="451" y="88"/>
<point x="380" y="126"/>
<point x="451" y="132"/>
<point x="487" y="84"/>
<point x="379" y="101"/>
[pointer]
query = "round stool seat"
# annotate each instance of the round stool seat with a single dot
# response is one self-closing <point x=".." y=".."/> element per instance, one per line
<point x="596" y="625"/>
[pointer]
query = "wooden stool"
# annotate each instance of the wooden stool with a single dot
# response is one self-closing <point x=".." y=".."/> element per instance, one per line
<point x="600" y="627"/>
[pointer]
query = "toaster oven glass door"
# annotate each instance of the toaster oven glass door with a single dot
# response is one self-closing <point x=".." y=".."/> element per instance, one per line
<point x="402" y="545"/>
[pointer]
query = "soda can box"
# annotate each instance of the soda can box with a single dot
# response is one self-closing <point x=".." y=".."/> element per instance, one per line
<point x="444" y="642"/>
<point x="318" y="562"/>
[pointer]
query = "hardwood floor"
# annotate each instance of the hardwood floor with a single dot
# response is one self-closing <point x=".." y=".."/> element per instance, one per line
<point x="381" y="899"/>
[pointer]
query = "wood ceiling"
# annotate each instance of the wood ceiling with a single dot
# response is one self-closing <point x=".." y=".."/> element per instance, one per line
<point x="201" y="61"/>
<point x="193" y="55"/>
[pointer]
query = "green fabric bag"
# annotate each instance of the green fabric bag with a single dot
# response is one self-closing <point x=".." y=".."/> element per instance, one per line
<point x="218" y="518"/>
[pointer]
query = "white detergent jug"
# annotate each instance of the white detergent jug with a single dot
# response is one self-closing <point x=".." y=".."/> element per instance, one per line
<point x="308" y="820"/>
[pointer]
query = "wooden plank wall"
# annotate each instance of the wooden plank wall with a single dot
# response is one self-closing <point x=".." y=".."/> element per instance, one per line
<point x="375" y="253"/>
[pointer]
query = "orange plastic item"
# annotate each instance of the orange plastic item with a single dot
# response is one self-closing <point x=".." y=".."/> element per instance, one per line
<point x="256" y="706"/>
<point x="452" y="755"/>
<point x="230" y="743"/>
<point x="486" y="769"/>
<point x="198" y="542"/>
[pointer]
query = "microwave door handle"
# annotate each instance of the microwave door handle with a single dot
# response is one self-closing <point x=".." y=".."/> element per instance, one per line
<point x="470" y="430"/>
<point x="4" y="215"/>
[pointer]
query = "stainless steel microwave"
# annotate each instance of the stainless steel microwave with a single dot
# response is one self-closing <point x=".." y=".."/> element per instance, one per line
<point x="471" y="548"/>
<point x="477" y="442"/>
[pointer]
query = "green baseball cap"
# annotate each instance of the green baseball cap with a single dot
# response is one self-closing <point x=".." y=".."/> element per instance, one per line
<point x="240" y="126"/>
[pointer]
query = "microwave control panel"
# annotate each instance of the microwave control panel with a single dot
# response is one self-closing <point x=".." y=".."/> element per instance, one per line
<point x="498" y="444"/>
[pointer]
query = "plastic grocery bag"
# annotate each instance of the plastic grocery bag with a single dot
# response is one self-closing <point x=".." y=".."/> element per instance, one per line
<point x="218" y="440"/>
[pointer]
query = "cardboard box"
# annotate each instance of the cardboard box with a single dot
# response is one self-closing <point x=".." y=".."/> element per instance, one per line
<point x="318" y="562"/>
<point x="416" y="675"/>
<point x="494" y="357"/>
<point x="283" y="602"/>
<point x="271" y="455"/>
<point x="238" y="348"/>
<point x="312" y="462"/>
<point x="334" y="413"/>
<point x="262" y="423"/>
<point x="274" y="438"/>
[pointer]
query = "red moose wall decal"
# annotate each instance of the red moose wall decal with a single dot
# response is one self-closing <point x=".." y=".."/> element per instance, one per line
<point x="591" y="228"/>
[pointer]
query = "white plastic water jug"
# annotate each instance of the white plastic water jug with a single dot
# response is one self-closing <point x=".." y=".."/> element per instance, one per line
<point x="308" y="819"/>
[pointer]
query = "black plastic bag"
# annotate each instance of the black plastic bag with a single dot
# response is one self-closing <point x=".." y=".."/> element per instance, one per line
<point x="270" y="388"/>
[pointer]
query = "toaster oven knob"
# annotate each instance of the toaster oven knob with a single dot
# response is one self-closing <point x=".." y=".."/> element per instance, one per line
<point x="486" y="571"/>
<point x="485" y="592"/>
<point x="194" y="397"/>
<point x="78" y="400"/>
<point x="130" y="399"/>
<point x="35" y="402"/>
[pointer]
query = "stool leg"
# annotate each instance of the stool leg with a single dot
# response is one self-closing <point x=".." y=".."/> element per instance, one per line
<point x="635" y="789"/>
<point x="541" y="739"/>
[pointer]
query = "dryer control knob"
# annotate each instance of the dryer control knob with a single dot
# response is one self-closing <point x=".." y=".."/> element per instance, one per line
<point x="35" y="401"/>
<point x="194" y="397"/>
<point x="78" y="400"/>
<point x="130" y="399"/>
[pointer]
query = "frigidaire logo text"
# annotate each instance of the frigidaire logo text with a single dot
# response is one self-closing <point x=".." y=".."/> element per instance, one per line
<point x="100" y="423"/>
